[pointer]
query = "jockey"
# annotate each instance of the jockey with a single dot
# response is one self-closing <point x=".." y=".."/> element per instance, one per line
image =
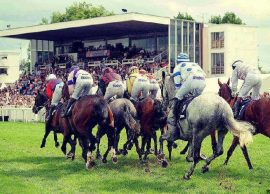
<point x="188" y="78"/>
<point x="54" y="93"/>
<point x="140" y="86"/>
<point x="132" y="75"/>
<point x="153" y="86"/>
<point x="80" y="83"/>
<point x="252" y="80"/>
<point x="113" y="81"/>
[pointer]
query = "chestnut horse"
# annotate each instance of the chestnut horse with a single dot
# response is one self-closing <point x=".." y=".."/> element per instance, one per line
<point x="257" y="113"/>
<point x="87" y="112"/>
<point x="152" y="117"/>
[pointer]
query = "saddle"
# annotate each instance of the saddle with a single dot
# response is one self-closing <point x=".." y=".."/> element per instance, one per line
<point x="182" y="106"/>
<point x="243" y="108"/>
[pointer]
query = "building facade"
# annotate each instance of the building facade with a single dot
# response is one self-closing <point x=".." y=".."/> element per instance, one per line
<point x="225" y="43"/>
<point x="9" y="67"/>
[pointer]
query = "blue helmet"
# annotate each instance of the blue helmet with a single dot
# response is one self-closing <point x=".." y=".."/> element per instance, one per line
<point x="182" y="57"/>
<point x="74" y="67"/>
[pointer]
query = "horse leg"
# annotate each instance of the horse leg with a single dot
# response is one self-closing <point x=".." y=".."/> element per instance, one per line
<point x="219" y="151"/>
<point x="231" y="149"/>
<point x="169" y="146"/>
<point x="148" y="147"/>
<point x="64" y="144"/>
<point x="143" y="144"/>
<point x="138" y="150"/>
<point x="116" y="141"/>
<point x="110" y="147"/>
<point x="71" y="153"/>
<point x="245" y="152"/>
<point x="55" y="139"/>
<point x="100" y="134"/>
<point x="195" y="149"/>
<point x="214" y="142"/>
<point x="185" y="149"/>
<point x="86" y="153"/>
<point x="47" y="132"/>
<point x="155" y="143"/>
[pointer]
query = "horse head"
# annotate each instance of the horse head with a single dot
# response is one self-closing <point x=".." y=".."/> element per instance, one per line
<point x="131" y="121"/>
<point x="225" y="91"/>
<point x="40" y="102"/>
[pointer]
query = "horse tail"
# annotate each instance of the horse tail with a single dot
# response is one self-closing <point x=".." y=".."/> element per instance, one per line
<point x="110" y="117"/>
<point x="243" y="130"/>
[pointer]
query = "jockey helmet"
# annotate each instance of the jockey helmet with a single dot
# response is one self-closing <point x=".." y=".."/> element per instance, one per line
<point x="235" y="63"/>
<point x="182" y="57"/>
<point x="51" y="77"/>
<point x="74" y="67"/>
<point x="133" y="69"/>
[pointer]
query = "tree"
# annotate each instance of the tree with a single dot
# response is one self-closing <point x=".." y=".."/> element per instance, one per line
<point x="184" y="16"/>
<point x="44" y="21"/>
<point x="78" y="11"/>
<point x="215" y="19"/>
<point x="228" y="18"/>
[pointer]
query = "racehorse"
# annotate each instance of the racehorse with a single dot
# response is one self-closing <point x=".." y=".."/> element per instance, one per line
<point x="257" y="112"/>
<point x="168" y="93"/>
<point x="125" y="116"/>
<point x="86" y="113"/>
<point x="152" y="117"/>
<point x="205" y="114"/>
<point x="57" y="124"/>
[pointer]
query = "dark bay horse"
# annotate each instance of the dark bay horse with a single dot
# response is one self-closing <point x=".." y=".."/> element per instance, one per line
<point x="152" y="117"/>
<point x="87" y="112"/>
<point x="257" y="113"/>
<point x="57" y="124"/>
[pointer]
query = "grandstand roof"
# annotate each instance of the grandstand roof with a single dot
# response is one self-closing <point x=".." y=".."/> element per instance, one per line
<point x="123" y="24"/>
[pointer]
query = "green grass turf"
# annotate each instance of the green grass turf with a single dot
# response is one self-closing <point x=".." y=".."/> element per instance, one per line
<point x="26" y="168"/>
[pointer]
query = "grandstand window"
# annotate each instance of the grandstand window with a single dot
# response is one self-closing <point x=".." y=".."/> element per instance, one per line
<point x="3" y="71"/>
<point x="162" y="43"/>
<point x="217" y="63"/>
<point x="217" y="40"/>
<point x="191" y="41"/>
<point x="147" y="43"/>
<point x="123" y="41"/>
<point x="185" y="37"/>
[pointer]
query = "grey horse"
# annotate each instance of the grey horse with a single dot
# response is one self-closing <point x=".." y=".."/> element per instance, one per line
<point x="205" y="114"/>
<point x="125" y="116"/>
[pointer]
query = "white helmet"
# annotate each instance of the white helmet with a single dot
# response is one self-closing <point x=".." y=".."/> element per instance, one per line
<point x="50" y="77"/>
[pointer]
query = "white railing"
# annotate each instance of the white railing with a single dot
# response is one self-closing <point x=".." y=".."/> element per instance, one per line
<point x="129" y="61"/>
<point x="112" y="63"/>
<point x="62" y="66"/>
<point x="94" y="63"/>
<point x="21" y="114"/>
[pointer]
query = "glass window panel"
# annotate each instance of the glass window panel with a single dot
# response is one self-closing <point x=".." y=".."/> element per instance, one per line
<point x="172" y="43"/>
<point x="179" y="36"/>
<point x="185" y="37"/>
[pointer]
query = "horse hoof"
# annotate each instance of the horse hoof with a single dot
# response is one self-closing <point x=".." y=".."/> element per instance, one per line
<point x="115" y="160"/>
<point x="205" y="169"/>
<point x="225" y="163"/>
<point x="57" y="144"/>
<point x="182" y="152"/>
<point x="186" y="177"/>
<point x="164" y="164"/>
<point x="124" y="152"/>
<point x="117" y="152"/>
<point x="147" y="169"/>
<point x="104" y="160"/>
<point x="42" y="145"/>
<point x="70" y="155"/>
<point x="189" y="159"/>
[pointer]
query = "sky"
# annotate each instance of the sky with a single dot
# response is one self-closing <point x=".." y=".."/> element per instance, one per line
<point x="18" y="13"/>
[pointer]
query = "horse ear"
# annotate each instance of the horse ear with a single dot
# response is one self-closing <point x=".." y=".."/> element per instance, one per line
<point x="228" y="82"/>
<point x="219" y="83"/>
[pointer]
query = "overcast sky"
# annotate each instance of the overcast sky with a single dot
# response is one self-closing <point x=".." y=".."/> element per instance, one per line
<point x="254" y="13"/>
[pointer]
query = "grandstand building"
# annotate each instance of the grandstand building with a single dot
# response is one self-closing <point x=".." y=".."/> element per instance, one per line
<point x="9" y="67"/>
<point x="124" y="39"/>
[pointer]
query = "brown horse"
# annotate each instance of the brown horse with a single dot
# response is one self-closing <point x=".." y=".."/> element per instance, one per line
<point x="57" y="124"/>
<point x="257" y="113"/>
<point x="87" y="112"/>
<point x="152" y="117"/>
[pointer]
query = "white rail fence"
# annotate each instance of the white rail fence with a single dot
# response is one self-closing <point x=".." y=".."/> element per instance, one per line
<point x="21" y="114"/>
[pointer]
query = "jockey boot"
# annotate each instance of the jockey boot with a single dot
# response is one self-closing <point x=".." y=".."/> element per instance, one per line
<point x="236" y="107"/>
<point x="68" y="109"/>
<point x="49" y="116"/>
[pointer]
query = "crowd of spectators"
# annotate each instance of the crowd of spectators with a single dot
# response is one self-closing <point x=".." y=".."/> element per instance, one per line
<point x="21" y="93"/>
